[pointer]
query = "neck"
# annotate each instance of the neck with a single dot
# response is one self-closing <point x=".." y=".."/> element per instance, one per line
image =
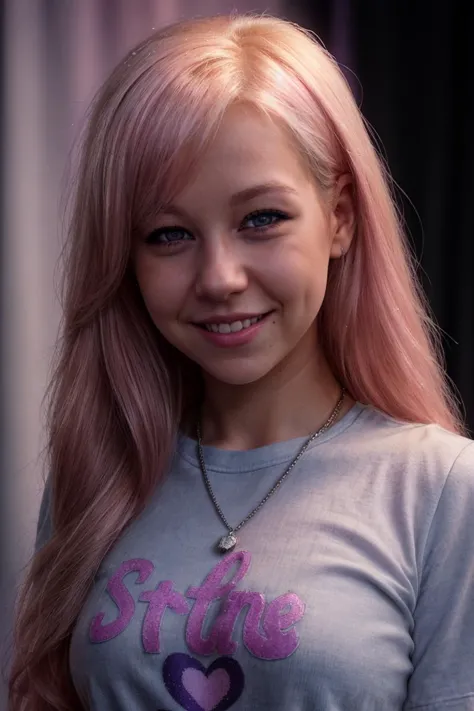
<point x="294" y="400"/>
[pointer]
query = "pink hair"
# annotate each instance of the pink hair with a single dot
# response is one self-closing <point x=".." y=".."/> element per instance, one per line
<point x="116" y="392"/>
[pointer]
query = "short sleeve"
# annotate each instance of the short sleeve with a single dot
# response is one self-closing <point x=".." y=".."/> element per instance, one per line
<point x="443" y="657"/>
<point x="44" y="528"/>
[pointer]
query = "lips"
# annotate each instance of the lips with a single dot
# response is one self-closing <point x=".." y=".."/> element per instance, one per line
<point x="230" y="323"/>
<point x="233" y="326"/>
<point x="232" y="332"/>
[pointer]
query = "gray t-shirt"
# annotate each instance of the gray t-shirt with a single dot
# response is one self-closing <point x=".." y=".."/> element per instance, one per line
<point x="352" y="589"/>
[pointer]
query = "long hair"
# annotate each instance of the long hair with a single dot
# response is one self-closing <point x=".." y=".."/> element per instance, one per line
<point x="116" y="395"/>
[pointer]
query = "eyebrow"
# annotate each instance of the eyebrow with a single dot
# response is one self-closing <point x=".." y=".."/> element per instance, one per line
<point x="262" y="189"/>
<point x="244" y="195"/>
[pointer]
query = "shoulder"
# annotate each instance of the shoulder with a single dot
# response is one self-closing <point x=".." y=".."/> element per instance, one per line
<point x="423" y="445"/>
<point x="428" y="477"/>
<point x="421" y="459"/>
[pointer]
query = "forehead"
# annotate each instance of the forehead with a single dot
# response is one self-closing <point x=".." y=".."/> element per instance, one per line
<point x="248" y="149"/>
<point x="248" y="136"/>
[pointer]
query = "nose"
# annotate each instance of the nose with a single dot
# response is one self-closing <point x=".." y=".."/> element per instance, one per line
<point x="221" y="272"/>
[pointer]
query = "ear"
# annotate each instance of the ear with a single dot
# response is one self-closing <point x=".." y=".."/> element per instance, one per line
<point x="342" y="216"/>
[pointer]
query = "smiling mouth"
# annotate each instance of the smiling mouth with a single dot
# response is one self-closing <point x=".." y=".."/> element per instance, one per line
<point x="233" y="327"/>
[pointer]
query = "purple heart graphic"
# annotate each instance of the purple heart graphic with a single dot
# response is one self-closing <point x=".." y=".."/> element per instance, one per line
<point x="196" y="688"/>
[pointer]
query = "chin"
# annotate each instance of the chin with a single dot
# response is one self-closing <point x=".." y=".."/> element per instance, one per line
<point x="238" y="374"/>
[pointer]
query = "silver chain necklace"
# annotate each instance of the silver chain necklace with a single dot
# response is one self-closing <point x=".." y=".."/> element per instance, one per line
<point x="228" y="542"/>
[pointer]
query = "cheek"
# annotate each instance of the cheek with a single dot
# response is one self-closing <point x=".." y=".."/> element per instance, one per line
<point x="299" y="277"/>
<point x="163" y="291"/>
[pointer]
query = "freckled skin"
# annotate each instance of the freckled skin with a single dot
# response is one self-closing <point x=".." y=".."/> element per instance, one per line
<point x="220" y="263"/>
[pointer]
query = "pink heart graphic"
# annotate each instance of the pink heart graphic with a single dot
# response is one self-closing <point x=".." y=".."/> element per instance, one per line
<point x="206" y="690"/>
<point x="196" y="688"/>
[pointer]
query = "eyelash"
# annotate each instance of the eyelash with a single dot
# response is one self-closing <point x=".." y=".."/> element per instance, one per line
<point x="163" y="230"/>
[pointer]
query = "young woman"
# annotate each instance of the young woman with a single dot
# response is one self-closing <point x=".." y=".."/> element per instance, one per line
<point x="260" y="495"/>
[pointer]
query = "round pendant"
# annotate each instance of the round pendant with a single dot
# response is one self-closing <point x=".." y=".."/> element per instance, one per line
<point x="227" y="542"/>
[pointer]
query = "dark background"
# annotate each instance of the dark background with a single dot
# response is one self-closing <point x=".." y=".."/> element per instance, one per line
<point x="415" y="63"/>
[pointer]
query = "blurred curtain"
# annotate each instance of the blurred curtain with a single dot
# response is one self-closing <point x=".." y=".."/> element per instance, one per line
<point x="415" y="65"/>
<point x="55" y="55"/>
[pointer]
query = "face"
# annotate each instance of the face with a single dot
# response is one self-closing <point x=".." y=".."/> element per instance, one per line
<point x="234" y="273"/>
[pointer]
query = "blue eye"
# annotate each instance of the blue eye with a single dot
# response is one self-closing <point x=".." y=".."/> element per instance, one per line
<point x="265" y="214"/>
<point x="168" y="236"/>
<point x="174" y="236"/>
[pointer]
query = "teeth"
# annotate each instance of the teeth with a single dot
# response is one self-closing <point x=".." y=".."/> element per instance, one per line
<point x="232" y="327"/>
